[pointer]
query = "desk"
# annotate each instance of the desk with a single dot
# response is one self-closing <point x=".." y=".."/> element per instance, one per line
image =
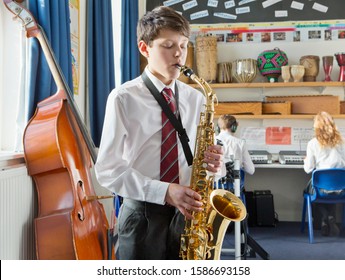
<point x="286" y="183"/>
<point x="278" y="165"/>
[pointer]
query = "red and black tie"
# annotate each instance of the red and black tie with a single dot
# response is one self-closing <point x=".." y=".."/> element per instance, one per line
<point x="169" y="169"/>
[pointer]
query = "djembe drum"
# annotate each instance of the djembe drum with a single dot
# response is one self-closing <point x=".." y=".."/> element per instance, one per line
<point x="311" y="65"/>
<point x="340" y="57"/>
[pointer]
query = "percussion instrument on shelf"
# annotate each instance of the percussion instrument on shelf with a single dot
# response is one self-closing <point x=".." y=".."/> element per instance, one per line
<point x="270" y="63"/>
<point x="206" y="57"/>
<point x="340" y="57"/>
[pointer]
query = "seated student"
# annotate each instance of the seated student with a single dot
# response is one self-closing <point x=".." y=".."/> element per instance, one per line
<point x="234" y="148"/>
<point x="325" y="150"/>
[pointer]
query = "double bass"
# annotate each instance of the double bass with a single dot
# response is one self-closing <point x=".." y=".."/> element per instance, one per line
<point x="71" y="223"/>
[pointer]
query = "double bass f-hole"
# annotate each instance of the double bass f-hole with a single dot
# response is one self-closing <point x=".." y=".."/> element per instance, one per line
<point x="80" y="192"/>
<point x="82" y="197"/>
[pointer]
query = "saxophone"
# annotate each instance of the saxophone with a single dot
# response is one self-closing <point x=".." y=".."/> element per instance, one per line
<point x="204" y="234"/>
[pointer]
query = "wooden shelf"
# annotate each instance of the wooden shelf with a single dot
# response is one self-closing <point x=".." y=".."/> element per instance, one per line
<point x="259" y="117"/>
<point x="275" y="85"/>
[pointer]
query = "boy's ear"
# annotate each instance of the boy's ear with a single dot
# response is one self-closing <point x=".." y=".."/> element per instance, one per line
<point x="143" y="48"/>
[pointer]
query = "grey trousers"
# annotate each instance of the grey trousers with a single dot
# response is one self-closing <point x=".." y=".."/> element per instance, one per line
<point x="149" y="231"/>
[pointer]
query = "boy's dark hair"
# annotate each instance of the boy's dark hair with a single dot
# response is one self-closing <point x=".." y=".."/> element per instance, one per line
<point x="161" y="18"/>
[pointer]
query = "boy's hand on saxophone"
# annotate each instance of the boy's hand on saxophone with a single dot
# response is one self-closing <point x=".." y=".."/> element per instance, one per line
<point x="213" y="157"/>
<point x="184" y="199"/>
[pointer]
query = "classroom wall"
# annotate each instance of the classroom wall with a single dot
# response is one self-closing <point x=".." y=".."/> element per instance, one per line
<point x="286" y="184"/>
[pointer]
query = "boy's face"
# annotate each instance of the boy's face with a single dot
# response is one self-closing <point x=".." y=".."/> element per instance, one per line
<point x="167" y="50"/>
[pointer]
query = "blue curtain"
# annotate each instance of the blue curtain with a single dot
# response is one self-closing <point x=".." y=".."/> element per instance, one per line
<point x="53" y="16"/>
<point x="130" y="59"/>
<point x="101" y="73"/>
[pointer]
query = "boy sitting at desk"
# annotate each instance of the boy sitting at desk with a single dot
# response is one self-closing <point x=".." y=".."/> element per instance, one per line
<point x="234" y="148"/>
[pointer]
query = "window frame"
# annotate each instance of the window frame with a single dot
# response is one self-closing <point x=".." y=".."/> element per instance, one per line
<point x="13" y="48"/>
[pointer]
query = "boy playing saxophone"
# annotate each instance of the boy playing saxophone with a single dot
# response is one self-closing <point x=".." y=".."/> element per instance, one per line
<point x="130" y="157"/>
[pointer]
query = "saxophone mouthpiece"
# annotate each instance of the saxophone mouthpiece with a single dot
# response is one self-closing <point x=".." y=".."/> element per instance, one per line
<point x="185" y="70"/>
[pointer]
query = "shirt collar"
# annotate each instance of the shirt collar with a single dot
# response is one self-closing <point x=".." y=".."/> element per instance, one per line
<point x="227" y="132"/>
<point x="158" y="83"/>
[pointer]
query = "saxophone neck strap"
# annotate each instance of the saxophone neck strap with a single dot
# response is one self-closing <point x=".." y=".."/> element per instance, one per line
<point x="175" y="121"/>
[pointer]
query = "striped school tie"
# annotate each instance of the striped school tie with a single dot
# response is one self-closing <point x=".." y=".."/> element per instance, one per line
<point x="169" y="169"/>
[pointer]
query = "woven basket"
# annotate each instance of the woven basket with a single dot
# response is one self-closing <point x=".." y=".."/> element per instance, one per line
<point x="206" y="57"/>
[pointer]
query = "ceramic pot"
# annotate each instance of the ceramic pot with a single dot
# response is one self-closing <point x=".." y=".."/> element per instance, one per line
<point x="286" y="75"/>
<point x="297" y="72"/>
<point x="270" y="63"/>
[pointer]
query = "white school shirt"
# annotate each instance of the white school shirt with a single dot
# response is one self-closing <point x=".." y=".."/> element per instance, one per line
<point x="235" y="148"/>
<point x="128" y="161"/>
<point x="319" y="158"/>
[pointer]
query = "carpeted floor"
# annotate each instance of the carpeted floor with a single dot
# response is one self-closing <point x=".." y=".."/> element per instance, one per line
<point x="286" y="242"/>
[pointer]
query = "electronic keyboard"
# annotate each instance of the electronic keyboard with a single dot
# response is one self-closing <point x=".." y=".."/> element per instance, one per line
<point x="260" y="157"/>
<point x="292" y="157"/>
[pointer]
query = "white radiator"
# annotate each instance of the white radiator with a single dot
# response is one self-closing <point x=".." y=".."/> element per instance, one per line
<point x="17" y="212"/>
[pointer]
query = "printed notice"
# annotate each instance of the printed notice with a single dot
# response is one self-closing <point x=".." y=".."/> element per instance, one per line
<point x="229" y="4"/>
<point x="254" y="136"/>
<point x="320" y="8"/>
<point x="225" y="15"/>
<point x="281" y="13"/>
<point x="278" y="135"/>
<point x="242" y="10"/>
<point x="171" y="2"/>
<point x="243" y="2"/>
<point x="268" y="3"/>
<point x="301" y="135"/>
<point x="189" y="5"/>
<point x="297" y="5"/>
<point x="212" y="3"/>
<point x="200" y="14"/>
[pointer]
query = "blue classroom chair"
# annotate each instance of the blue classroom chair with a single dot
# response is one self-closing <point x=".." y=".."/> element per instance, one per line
<point x="324" y="183"/>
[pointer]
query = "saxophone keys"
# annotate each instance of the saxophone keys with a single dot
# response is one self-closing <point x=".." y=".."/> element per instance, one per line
<point x="201" y="184"/>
